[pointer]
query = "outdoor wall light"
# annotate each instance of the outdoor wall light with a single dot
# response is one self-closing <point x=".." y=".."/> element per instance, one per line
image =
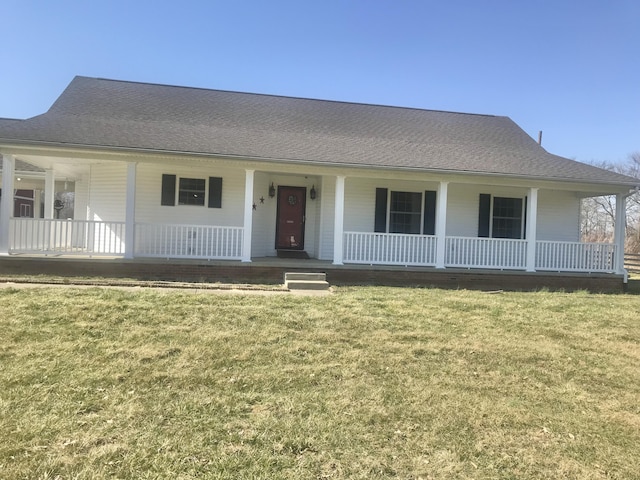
<point x="313" y="193"/>
<point x="272" y="190"/>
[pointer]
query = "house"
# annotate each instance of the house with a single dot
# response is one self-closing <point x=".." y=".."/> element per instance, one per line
<point x="188" y="173"/>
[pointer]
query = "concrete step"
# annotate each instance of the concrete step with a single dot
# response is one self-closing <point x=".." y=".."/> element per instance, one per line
<point x="318" y="277"/>
<point x="306" y="285"/>
<point x="306" y="281"/>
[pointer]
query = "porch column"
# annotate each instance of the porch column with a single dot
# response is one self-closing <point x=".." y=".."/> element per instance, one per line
<point x="441" y="224"/>
<point x="532" y="226"/>
<point x="620" y="232"/>
<point x="6" y="201"/>
<point x="338" y="221"/>
<point x="248" y="215"/>
<point x="130" y="212"/>
<point x="49" y="193"/>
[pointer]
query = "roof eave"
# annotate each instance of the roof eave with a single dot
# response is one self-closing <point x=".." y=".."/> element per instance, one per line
<point x="316" y="163"/>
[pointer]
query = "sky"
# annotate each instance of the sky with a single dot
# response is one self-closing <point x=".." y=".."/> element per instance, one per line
<point x="569" y="68"/>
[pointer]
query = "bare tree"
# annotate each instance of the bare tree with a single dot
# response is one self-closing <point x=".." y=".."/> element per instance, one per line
<point x="598" y="213"/>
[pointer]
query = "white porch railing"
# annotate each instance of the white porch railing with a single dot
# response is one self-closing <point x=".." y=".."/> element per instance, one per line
<point x="575" y="256"/>
<point x="389" y="248"/>
<point x="188" y="241"/>
<point x="66" y="237"/>
<point x="499" y="253"/>
<point x="92" y="238"/>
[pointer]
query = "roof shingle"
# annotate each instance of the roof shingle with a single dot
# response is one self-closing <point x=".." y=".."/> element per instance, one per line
<point x="112" y="113"/>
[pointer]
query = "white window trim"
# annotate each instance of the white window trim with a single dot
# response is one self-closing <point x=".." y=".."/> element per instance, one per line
<point x="389" y="211"/>
<point x="206" y="191"/>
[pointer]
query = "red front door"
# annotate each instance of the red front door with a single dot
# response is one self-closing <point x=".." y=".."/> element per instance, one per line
<point x="290" y="222"/>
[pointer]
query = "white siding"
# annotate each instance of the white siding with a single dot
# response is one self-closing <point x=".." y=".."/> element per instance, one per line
<point x="558" y="216"/>
<point x="149" y="210"/>
<point x="360" y="199"/>
<point x="149" y="188"/>
<point x="462" y="209"/>
<point x="264" y="215"/>
<point x="558" y="211"/>
<point x="462" y="214"/>
<point x="102" y="194"/>
<point x="107" y="197"/>
<point x="81" y="200"/>
<point x="327" y="199"/>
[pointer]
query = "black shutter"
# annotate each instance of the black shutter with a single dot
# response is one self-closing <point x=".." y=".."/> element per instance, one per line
<point x="524" y="215"/>
<point x="215" y="192"/>
<point x="484" y="215"/>
<point x="168" y="190"/>
<point x="381" y="210"/>
<point x="429" y="227"/>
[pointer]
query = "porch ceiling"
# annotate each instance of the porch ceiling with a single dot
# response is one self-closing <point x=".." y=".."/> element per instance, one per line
<point x="70" y="169"/>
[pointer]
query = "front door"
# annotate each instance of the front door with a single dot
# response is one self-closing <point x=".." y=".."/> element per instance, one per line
<point x="290" y="218"/>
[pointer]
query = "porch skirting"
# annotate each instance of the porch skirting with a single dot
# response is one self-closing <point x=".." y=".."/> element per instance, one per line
<point x="271" y="271"/>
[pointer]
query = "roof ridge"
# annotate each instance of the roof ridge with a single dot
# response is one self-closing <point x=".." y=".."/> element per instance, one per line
<point x="343" y="102"/>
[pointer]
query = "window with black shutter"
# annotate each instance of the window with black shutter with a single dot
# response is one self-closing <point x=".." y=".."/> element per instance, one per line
<point x="501" y="217"/>
<point x="406" y="212"/>
<point x="191" y="191"/>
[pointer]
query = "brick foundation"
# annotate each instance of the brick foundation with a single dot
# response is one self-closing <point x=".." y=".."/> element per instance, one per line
<point x="272" y="273"/>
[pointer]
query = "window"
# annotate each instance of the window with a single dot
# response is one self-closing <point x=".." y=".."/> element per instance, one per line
<point x="405" y="212"/>
<point x="191" y="191"/>
<point x="507" y="217"/>
<point x="501" y="217"/>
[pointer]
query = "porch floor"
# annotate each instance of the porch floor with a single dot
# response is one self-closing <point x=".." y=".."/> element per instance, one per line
<point x="270" y="270"/>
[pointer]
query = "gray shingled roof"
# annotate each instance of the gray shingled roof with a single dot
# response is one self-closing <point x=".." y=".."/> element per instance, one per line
<point x="111" y="113"/>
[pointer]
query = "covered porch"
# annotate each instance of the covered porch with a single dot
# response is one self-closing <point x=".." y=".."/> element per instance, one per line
<point x="133" y="233"/>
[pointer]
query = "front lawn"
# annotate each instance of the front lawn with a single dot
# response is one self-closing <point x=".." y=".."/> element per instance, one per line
<point x="366" y="383"/>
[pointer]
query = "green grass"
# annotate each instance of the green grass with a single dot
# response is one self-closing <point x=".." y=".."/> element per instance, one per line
<point x="367" y="383"/>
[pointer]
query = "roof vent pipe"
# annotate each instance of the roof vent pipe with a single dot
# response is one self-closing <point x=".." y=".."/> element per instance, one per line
<point x="540" y="138"/>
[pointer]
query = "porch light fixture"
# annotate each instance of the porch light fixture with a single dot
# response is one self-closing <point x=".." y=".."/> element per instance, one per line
<point x="312" y="193"/>
<point x="272" y="190"/>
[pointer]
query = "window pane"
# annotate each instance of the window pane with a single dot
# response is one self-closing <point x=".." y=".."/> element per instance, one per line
<point x="406" y="212"/>
<point x="191" y="191"/>
<point x="507" y="217"/>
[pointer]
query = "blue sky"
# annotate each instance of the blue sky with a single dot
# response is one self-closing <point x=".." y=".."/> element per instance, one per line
<point x="568" y="67"/>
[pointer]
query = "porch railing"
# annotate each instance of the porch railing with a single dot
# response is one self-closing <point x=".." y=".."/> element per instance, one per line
<point x="84" y="237"/>
<point x="188" y="241"/>
<point x="389" y="248"/>
<point x="575" y="256"/>
<point x="66" y="237"/>
<point x="499" y="253"/>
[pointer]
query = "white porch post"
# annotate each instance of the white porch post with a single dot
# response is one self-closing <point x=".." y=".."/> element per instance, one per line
<point x="130" y="212"/>
<point x="248" y="215"/>
<point x="338" y="221"/>
<point x="6" y="202"/>
<point x="620" y="232"/>
<point x="49" y="192"/>
<point x="532" y="226"/>
<point x="441" y="224"/>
